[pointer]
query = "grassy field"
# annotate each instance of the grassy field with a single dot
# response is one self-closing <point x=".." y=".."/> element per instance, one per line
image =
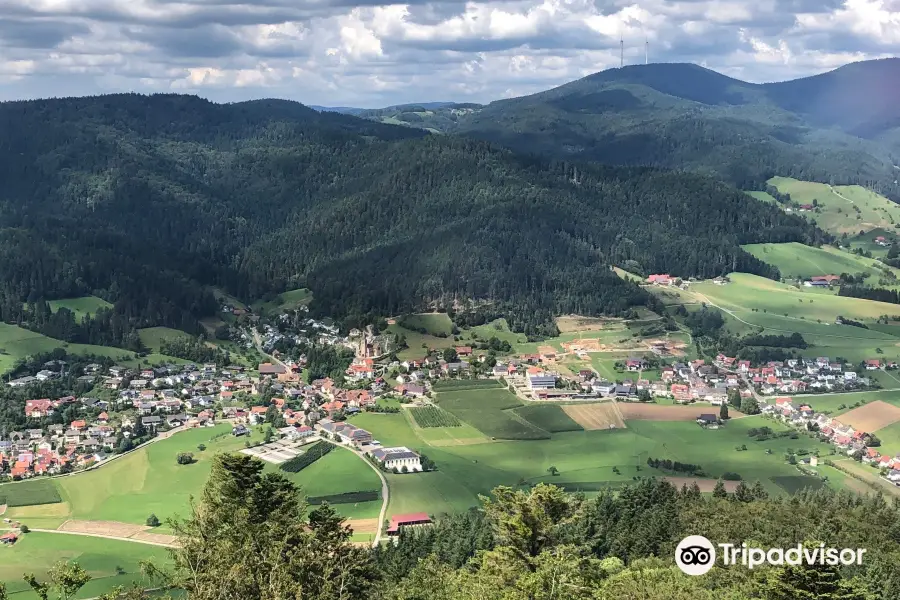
<point x="86" y="305"/>
<point x="29" y="493"/>
<point x="150" y="481"/>
<point x="285" y="301"/>
<point x="755" y="304"/>
<point x="433" y="416"/>
<point x="340" y="471"/>
<point x="488" y="411"/>
<point x="549" y="417"/>
<point x="110" y="563"/>
<point x="152" y="337"/>
<point x="796" y="260"/>
<point x="845" y="209"/>
<point x="17" y="343"/>
<point x="434" y="324"/>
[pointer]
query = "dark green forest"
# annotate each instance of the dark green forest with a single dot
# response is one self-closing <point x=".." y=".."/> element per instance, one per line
<point x="151" y="201"/>
<point x="839" y="127"/>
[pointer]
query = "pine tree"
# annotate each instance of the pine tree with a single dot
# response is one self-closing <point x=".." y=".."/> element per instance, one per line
<point x="759" y="492"/>
<point x="810" y="582"/>
<point x="743" y="493"/>
<point x="719" y="490"/>
<point x="723" y="412"/>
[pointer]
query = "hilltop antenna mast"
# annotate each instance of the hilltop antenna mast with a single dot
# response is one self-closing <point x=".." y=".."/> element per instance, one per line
<point x="646" y="51"/>
<point x="621" y="51"/>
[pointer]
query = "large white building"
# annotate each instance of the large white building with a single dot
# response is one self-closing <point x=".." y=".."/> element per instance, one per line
<point x="397" y="458"/>
<point x="542" y="382"/>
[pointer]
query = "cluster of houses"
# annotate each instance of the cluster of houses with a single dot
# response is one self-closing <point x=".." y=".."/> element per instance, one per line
<point x="798" y="375"/>
<point x="844" y="437"/>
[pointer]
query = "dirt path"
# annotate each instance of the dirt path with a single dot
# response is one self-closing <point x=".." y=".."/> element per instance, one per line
<point x="2" y="508"/>
<point x="840" y="195"/>
<point x="158" y="541"/>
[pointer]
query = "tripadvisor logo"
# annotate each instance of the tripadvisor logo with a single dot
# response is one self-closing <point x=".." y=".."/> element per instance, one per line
<point x="696" y="555"/>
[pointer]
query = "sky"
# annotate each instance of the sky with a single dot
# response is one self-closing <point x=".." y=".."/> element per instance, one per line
<point x="366" y="53"/>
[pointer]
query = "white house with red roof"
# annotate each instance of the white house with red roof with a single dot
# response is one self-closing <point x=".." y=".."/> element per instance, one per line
<point x="36" y="409"/>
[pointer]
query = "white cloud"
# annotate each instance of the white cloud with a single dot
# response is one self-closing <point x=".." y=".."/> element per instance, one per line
<point x="370" y="53"/>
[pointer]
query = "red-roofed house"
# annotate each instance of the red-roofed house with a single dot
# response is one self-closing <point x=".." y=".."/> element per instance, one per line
<point x="464" y="350"/>
<point x="681" y="392"/>
<point x="79" y="424"/>
<point x="258" y="414"/>
<point x="871" y="455"/>
<point x="359" y="398"/>
<point x="36" y="409"/>
<point x="8" y="538"/>
<point x="399" y="521"/>
<point x="873" y="364"/>
<point x="660" y="279"/>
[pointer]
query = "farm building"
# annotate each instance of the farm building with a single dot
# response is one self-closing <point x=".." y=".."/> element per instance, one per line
<point x="397" y="458"/>
<point x="542" y="382"/>
<point x="661" y="279"/>
<point x="8" y="538"/>
<point x="270" y="369"/>
<point x="708" y="420"/>
<point x="400" y="521"/>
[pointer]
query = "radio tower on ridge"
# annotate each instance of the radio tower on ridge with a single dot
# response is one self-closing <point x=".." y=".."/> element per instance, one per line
<point x="621" y="51"/>
<point x="646" y="51"/>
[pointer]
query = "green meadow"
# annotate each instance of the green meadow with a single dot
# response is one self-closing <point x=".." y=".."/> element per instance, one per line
<point x="17" y="343"/>
<point x="843" y="208"/>
<point x="110" y="563"/>
<point x="285" y="301"/>
<point x="796" y="260"/>
<point x="86" y="305"/>
<point x="149" y="480"/>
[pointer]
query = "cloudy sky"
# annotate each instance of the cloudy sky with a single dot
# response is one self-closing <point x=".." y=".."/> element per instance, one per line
<point x="368" y="53"/>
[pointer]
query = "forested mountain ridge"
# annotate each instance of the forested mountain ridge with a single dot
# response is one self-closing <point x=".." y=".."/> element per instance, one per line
<point x="147" y="201"/>
<point x="840" y="127"/>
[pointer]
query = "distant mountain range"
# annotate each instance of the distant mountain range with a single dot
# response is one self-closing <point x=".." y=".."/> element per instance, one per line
<point x="840" y="127"/>
<point x="350" y="110"/>
<point x="152" y="201"/>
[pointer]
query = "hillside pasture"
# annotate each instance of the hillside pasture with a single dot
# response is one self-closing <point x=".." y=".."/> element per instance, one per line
<point x="81" y="307"/>
<point x="871" y="417"/>
<point x="110" y="563"/>
<point x="435" y="324"/>
<point x="487" y="410"/>
<point x="575" y="323"/>
<point x="593" y="417"/>
<point x="283" y="302"/>
<point x="752" y="298"/>
<point x="843" y="208"/>
<point x="796" y="260"/>
<point x="149" y="480"/>
<point x="29" y="493"/>
<point x="549" y="417"/>
<point x="17" y="343"/>
<point x="152" y="337"/>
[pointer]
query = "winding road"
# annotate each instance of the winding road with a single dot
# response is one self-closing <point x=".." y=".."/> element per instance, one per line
<point x="385" y="492"/>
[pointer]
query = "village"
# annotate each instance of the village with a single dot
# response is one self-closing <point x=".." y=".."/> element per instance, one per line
<point x="72" y="433"/>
